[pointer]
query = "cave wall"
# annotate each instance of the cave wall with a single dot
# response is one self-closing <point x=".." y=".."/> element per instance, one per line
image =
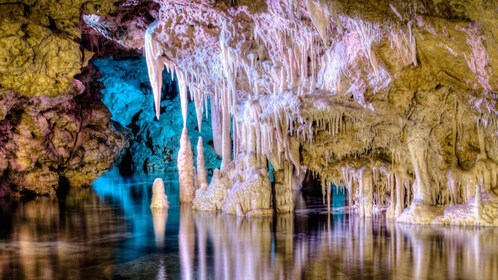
<point x="54" y="128"/>
<point x="154" y="143"/>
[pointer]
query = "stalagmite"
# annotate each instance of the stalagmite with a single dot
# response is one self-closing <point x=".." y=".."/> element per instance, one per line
<point x="159" y="198"/>
<point x="186" y="169"/>
<point x="159" y="208"/>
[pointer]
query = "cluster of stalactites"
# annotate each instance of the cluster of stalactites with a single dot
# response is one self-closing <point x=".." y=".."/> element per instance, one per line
<point x="372" y="188"/>
<point x="290" y="59"/>
<point x="156" y="62"/>
<point x="375" y="185"/>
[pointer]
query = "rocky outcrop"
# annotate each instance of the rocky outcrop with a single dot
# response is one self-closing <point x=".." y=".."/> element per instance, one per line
<point x="48" y="141"/>
<point x="54" y="130"/>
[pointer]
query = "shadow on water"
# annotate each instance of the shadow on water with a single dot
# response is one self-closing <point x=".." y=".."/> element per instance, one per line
<point x="112" y="233"/>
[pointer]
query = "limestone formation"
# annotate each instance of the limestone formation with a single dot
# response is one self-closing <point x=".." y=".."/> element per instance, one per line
<point x="54" y="130"/>
<point x="186" y="171"/>
<point x="159" y="197"/>
<point x="393" y="101"/>
<point x="49" y="141"/>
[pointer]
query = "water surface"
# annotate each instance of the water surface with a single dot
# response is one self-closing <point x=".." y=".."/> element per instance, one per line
<point x="109" y="232"/>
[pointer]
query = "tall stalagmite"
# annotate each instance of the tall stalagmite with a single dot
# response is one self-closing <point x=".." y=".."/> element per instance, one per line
<point x="186" y="170"/>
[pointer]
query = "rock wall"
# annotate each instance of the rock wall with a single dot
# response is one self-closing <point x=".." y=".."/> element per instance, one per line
<point x="39" y="49"/>
<point x="47" y="141"/>
<point x="54" y="128"/>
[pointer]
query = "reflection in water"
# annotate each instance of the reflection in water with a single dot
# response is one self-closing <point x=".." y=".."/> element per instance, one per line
<point x="186" y="241"/>
<point x="48" y="239"/>
<point x="321" y="247"/>
<point x="115" y="235"/>
<point x="159" y="220"/>
<point x="147" y="228"/>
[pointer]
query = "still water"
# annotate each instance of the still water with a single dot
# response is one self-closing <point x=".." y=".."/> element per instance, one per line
<point x="110" y="233"/>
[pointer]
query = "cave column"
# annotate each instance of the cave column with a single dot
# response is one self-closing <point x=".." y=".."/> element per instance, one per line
<point x="225" y="127"/>
<point x="417" y="146"/>
<point x="366" y="192"/>
<point x="216" y="122"/>
<point x="400" y="195"/>
<point x="283" y="189"/>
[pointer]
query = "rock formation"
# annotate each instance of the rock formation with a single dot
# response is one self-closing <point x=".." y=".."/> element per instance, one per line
<point x="393" y="100"/>
<point x="381" y="98"/>
<point x="53" y="127"/>
<point x="159" y="198"/>
<point x="186" y="170"/>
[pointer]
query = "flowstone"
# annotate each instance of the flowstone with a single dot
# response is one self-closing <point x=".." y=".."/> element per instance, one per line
<point x="243" y="189"/>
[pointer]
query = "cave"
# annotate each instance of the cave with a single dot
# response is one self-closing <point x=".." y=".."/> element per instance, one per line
<point x="263" y="139"/>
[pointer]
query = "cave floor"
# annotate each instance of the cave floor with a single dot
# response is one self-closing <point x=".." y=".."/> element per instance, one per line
<point x="109" y="232"/>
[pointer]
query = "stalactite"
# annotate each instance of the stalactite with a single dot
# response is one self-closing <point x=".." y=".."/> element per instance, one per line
<point x="413" y="44"/>
<point x="155" y="65"/>
<point x="182" y="85"/>
<point x="199" y="107"/>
